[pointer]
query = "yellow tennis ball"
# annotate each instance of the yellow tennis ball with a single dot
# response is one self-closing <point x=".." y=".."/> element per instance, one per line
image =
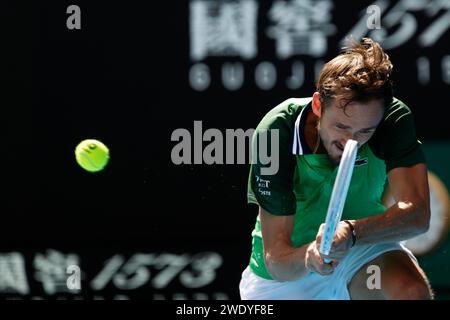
<point x="92" y="155"/>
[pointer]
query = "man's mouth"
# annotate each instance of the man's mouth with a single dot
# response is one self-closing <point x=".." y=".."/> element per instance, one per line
<point x="339" y="147"/>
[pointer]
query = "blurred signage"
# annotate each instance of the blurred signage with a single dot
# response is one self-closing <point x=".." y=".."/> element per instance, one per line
<point x="157" y="276"/>
<point x="274" y="45"/>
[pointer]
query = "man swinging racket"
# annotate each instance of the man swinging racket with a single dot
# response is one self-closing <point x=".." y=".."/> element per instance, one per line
<point x="353" y="107"/>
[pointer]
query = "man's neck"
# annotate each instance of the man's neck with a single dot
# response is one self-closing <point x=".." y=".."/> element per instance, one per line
<point x="311" y="133"/>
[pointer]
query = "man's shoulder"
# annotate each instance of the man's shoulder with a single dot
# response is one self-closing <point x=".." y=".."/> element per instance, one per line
<point x="292" y="105"/>
<point x="284" y="114"/>
<point x="396" y="109"/>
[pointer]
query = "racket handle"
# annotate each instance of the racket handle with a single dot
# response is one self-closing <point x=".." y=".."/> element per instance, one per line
<point x="327" y="260"/>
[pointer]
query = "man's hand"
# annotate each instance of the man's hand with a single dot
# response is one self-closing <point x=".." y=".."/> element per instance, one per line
<point x="314" y="262"/>
<point x="313" y="259"/>
<point x="342" y="241"/>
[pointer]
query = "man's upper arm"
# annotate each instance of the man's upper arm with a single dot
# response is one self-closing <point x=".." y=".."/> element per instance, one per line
<point x="410" y="184"/>
<point x="409" y="187"/>
<point x="273" y="192"/>
<point x="395" y="140"/>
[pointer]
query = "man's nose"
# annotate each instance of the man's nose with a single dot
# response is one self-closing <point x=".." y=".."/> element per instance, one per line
<point x="347" y="137"/>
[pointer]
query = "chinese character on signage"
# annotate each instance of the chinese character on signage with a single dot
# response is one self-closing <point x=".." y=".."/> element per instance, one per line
<point x="223" y="28"/>
<point x="51" y="270"/>
<point x="13" y="278"/>
<point x="301" y="27"/>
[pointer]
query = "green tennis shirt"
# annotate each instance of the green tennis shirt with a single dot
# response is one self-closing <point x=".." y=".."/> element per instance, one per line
<point x="303" y="184"/>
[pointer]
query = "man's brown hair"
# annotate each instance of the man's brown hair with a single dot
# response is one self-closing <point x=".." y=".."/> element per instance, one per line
<point x="360" y="73"/>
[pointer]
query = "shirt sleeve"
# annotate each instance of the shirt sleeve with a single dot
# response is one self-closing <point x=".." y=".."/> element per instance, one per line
<point x="270" y="183"/>
<point x="395" y="140"/>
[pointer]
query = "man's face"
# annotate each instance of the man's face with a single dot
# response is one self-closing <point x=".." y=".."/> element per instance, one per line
<point x="358" y="122"/>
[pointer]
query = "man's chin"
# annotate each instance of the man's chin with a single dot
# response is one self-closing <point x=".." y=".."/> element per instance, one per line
<point x="335" y="159"/>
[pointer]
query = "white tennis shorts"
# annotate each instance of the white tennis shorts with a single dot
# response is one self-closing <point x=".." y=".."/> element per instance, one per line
<point x="315" y="286"/>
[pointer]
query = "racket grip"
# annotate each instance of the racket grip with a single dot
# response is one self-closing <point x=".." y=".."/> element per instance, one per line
<point x="327" y="260"/>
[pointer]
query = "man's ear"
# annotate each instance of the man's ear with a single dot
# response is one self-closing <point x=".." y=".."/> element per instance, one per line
<point x="316" y="105"/>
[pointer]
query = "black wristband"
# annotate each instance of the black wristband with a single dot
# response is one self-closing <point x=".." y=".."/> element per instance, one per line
<point x="353" y="232"/>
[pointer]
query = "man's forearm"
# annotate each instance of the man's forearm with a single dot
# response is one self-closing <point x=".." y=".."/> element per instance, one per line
<point x="402" y="221"/>
<point x="287" y="264"/>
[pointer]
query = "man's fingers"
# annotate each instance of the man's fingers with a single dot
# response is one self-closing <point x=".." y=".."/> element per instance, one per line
<point x="321" y="267"/>
<point x="334" y="264"/>
<point x="325" y="269"/>
<point x="323" y="256"/>
<point x="322" y="226"/>
<point x="339" y="249"/>
<point x="318" y="238"/>
<point x="320" y="232"/>
<point x="336" y="255"/>
<point x="317" y="262"/>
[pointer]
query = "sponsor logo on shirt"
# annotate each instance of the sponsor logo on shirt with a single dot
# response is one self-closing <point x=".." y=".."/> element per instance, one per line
<point x="263" y="186"/>
<point x="361" y="161"/>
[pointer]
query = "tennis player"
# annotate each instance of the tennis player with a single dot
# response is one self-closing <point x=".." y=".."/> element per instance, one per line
<point x="354" y="100"/>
